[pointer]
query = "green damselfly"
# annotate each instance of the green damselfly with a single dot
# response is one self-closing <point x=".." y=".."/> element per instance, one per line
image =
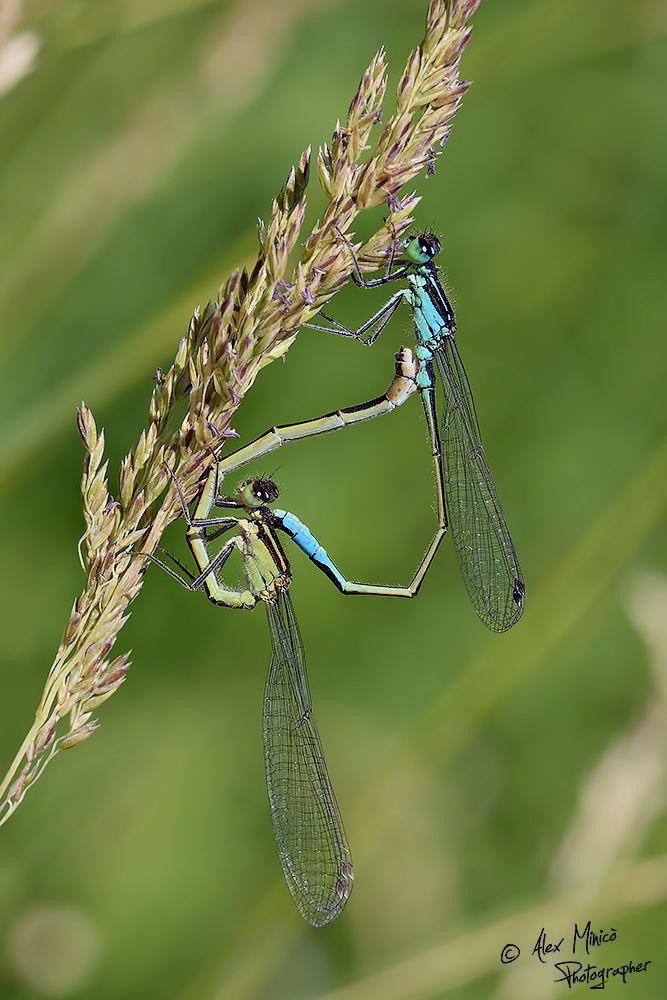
<point x="468" y="502"/>
<point x="314" y="852"/>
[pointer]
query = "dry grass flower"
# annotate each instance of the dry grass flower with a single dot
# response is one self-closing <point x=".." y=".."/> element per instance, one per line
<point x="253" y="321"/>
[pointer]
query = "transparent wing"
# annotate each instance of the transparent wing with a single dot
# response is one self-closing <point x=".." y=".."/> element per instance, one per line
<point x="314" y="852"/>
<point x="486" y="554"/>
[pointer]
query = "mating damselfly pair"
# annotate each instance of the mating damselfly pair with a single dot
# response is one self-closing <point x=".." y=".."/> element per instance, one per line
<point x="313" y="847"/>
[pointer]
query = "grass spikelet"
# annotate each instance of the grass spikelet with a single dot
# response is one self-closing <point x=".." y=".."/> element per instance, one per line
<point x="252" y="322"/>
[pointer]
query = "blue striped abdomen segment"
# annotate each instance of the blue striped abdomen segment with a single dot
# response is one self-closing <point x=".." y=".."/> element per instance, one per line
<point x="307" y="542"/>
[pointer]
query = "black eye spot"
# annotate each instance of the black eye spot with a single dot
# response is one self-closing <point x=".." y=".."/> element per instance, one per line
<point x="429" y="244"/>
<point x="519" y="591"/>
<point x="265" y="490"/>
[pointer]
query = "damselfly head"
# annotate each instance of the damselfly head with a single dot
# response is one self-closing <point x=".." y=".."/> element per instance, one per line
<point x="256" y="492"/>
<point x="422" y="248"/>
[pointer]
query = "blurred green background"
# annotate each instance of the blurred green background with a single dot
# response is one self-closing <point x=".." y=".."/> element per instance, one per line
<point x="491" y="785"/>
